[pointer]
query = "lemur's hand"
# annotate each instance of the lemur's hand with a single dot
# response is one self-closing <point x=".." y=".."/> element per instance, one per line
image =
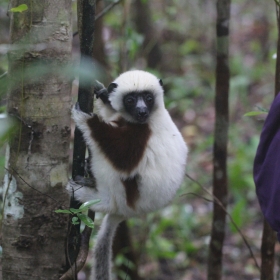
<point x="77" y="112"/>
<point x="101" y="92"/>
<point x="77" y="106"/>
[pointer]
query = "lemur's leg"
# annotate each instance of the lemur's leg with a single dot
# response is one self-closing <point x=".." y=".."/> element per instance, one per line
<point x="103" y="249"/>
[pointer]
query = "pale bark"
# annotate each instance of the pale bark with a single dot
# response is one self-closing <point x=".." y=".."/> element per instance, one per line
<point x="33" y="235"/>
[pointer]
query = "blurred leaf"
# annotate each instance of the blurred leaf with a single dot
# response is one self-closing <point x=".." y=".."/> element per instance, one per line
<point x="133" y="42"/>
<point x="237" y="214"/>
<point x="241" y="163"/>
<point x="190" y="46"/>
<point x="8" y="126"/>
<point x="64" y="211"/>
<point x="190" y="248"/>
<point x="122" y="260"/>
<point x="19" y="9"/>
<point x="123" y="275"/>
<point x="253" y="113"/>
<point x="165" y="248"/>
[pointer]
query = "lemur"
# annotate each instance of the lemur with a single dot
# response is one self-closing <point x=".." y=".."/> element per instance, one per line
<point x="138" y="156"/>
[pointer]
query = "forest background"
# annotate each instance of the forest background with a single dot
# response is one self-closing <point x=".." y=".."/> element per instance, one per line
<point x="173" y="243"/>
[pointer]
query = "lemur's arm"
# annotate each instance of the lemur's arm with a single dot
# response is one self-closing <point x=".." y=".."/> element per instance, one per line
<point x="102" y="92"/>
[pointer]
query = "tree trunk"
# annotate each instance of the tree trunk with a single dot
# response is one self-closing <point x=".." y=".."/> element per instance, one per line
<point x="267" y="252"/>
<point x="220" y="142"/>
<point x="98" y="50"/>
<point x="86" y="28"/>
<point x="144" y="25"/>
<point x="39" y="98"/>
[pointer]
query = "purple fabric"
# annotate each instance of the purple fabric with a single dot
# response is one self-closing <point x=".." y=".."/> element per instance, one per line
<point x="267" y="167"/>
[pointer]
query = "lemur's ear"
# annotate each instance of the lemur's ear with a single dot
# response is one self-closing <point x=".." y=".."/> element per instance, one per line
<point x="160" y="82"/>
<point x="111" y="87"/>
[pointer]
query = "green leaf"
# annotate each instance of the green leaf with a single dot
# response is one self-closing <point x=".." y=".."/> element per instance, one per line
<point x="87" y="220"/>
<point x="85" y="206"/>
<point x="75" y="220"/>
<point x="19" y="9"/>
<point x="64" y="211"/>
<point x="254" y="113"/>
<point x="75" y="211"/>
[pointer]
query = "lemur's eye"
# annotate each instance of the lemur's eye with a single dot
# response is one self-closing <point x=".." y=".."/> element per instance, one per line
<point x="149" y="98"/>
<point x="130" y="100"/>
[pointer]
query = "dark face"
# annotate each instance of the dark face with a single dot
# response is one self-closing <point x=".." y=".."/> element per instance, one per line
<point x="139" y="105"/>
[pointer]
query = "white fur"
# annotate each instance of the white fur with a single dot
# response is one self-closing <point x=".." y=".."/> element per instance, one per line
<point x="161" y="169"/>
<point x="106" y="112"/>
<point x="103" y="249"/>
<point x="132" y="81"/>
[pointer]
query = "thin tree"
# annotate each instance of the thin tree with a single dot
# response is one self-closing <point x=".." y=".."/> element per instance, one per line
<point x="267" y="252"/>
<point x="220" y="188"/>
<point x="37" y="170"/>
<point x="77" y="250"/>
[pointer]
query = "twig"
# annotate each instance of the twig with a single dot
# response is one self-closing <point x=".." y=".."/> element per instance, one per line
<point x="102" y="13"/>
<point x="200" y="196"/>
<point x="82" y="256"/>
<point x="216" y="200"/>
<point x="83" y="252"/>
<point x="3" y="75"/>
<point x="107" y="9"/>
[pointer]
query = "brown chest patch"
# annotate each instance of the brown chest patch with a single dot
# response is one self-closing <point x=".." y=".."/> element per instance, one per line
<point x="124" y="145"/>
<point x="131" y="190"/>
